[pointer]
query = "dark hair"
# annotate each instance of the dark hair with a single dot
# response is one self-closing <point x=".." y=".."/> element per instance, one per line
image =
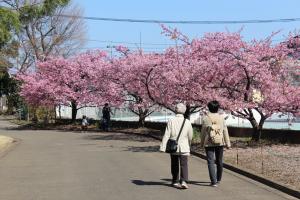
<point x="213" y="106"/>
<point x="106" y="104"/>
<point x="83" y="116"/>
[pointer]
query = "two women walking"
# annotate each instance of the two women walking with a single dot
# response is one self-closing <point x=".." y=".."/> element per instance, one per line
<point x="214" y="136"/>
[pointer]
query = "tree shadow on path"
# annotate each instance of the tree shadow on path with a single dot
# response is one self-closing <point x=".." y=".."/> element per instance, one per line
<point x="117" y="136"/>
<point x="145" y="149"/>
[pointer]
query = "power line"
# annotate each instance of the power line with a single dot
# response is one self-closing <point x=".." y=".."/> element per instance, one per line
<point x="113" y="44"/>
<point x="251" y="21"/>
<point x="127" y="42"/>
<point x="129" y="47"/>
<point x="150" y="45"/>
<point x="106" y="48"/>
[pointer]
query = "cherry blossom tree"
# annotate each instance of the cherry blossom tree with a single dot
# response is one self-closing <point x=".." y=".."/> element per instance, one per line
<point x="234" y="72"/>
<point x="130" y="72"/>
<point x="246" y="77"/>
<point x="179" y="76"/>
<point x="241" y="70"/>
<point x="175" y="80"/>
<point x="76" y="82"/>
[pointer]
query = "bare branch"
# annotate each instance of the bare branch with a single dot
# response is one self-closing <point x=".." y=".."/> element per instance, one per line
<point x="49" y="35"/>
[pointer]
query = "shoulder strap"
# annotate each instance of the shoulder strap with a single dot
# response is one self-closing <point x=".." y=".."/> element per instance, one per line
<point x="180" y="130"/>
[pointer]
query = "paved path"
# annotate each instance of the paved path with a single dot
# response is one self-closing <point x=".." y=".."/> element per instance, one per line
<point x="53" y="165"/>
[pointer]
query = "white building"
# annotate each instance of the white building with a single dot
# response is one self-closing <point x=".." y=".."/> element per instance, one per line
<point x="277" y="121"/>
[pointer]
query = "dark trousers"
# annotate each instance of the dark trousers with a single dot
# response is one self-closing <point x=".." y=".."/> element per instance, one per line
<point x="215" y="157"/>
<point x="105" y="124"/>
<point x="84" y="127"/>
<point x="177" y="160"/>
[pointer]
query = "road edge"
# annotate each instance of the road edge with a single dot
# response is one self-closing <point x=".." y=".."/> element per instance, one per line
<point x="9" y="147"/>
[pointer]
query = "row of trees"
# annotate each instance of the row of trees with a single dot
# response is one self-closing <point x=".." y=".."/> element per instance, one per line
<point x="246" y="77"/>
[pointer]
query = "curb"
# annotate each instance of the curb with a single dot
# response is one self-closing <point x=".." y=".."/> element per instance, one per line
<point x="257" y="178"/>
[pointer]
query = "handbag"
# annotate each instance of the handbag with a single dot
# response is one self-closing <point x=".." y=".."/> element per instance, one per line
<point x="172" y="144"/>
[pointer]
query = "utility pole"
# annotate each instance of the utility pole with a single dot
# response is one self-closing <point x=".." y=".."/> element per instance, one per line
<point x="111" y="49"/>
<point x="111" y="46"/>
<point x="140" y="40"/>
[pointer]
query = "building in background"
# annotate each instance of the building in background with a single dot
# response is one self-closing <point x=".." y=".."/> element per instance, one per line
<point x="276" y="121"/>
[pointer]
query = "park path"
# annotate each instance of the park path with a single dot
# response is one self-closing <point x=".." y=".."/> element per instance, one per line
<point x="48" y="165"/>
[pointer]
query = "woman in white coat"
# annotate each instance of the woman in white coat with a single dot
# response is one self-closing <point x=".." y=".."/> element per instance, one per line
<point x="180" y="158"/>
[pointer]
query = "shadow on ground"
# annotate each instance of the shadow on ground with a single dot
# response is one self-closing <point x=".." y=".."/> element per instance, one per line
<point x="200" y="183"/>
<point x="118" y="136"/>
<point x="144" y="149"/>
<point x="167" y="182"/>
<point x="149" y="183"/>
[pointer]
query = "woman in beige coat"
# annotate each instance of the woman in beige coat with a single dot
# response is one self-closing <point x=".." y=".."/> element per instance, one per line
<point x="214" y="152"/>
<point x="180" y="158"/>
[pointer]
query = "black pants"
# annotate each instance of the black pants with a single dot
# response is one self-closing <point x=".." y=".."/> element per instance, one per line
<point x="177" y="160"/>
<point x="84" y="127"/>
<point x="105" y="124"/>
<point x="215" y="157"/>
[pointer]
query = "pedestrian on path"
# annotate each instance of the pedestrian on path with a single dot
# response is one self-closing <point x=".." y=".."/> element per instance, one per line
<point x="106" y="111"/>
<point x="214" y="136"/>
<point x="84" y="123"/>
<point x="179" y="129"/>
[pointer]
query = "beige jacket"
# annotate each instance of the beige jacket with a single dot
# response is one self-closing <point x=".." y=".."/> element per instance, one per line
<point x="205" y="142"/>
<point x="172" y="131"/>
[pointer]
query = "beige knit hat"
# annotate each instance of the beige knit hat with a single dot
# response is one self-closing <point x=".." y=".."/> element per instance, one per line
<point x="180" y="108"/>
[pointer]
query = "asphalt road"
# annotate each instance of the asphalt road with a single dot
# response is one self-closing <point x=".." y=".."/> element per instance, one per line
<point x="53" y="165"/>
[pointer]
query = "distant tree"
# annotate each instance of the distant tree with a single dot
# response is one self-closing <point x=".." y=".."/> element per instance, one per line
<point x="15" y="15"/>
<point x="9" y="24"/>
<point x="45" y="31"/>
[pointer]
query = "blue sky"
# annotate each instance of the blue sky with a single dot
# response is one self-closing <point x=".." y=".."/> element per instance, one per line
<point x="153" y="40"/>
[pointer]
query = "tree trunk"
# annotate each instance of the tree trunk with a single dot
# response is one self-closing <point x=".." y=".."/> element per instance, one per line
<point x="59" y="111"/>
<point x="188" y="112"/>
<point x="54" y="117"/>
<point x="141" y="120"/>
<point x="142" y="117"/>
<point x="10" y="106"/>
<point x="46" y="117"/>
<point x="28" y="115"/>
<point x="257" y="129"/>
<point x="34" y="117"/>
<point x="74" y="111"/>
<point x="256" y="134"/>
